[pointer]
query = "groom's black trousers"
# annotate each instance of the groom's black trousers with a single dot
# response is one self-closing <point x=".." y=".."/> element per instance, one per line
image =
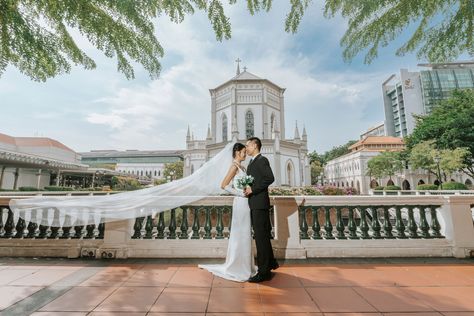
<point x="262" y="228"/>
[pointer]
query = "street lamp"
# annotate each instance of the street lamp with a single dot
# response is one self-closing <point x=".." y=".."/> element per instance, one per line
<point x="437" y="160"/>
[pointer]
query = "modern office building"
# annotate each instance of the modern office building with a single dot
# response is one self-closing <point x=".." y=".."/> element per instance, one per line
<point x="416" y="93"/>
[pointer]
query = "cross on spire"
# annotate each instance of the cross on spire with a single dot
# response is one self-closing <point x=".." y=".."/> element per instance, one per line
<point x="238" y="61"/>
<point x="245" y="69"/>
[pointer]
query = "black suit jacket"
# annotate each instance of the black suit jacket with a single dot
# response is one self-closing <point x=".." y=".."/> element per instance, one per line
<point x="260" y="170"/>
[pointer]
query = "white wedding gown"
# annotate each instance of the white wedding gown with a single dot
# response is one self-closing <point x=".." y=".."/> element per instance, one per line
<point x="239" y="264"/>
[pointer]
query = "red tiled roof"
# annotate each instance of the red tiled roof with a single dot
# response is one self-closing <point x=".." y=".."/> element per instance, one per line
<point x="33" y="142"/>
<point x="378" y="140"/>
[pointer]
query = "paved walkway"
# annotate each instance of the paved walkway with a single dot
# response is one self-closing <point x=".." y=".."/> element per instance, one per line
<point x="48" y="287"/>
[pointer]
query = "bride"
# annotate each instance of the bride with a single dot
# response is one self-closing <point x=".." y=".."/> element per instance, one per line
<point x="239" y="265"/>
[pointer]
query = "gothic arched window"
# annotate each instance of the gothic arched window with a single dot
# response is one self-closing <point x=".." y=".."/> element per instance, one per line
<point x="224" y="128"/>
<point x="249" y="124"/>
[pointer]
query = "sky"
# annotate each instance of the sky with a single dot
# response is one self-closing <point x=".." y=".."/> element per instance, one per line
<point x="100" y="109"/>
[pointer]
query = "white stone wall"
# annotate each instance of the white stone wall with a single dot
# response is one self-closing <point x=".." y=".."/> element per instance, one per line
<point x="26" y="178"/>
<point x="153" y="170"/>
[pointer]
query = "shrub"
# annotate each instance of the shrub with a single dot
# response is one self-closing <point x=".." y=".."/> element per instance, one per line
<point x="350" y="191"/>
<point x="427" y="187"/>
<point x="159" y="181"/>
<point x="378" y="188"/>
<point x="28" y="189"/>
<point x="331" y="190"/>
<point x="454" y="186"/>
<point x="125" y="184"/>
<point x="392" y="188"/>
<point x="57" y="188"/>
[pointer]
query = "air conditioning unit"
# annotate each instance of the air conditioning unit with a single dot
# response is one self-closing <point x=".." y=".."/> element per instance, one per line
<point x="88" y="252"/>
<point x="108" y="253"/>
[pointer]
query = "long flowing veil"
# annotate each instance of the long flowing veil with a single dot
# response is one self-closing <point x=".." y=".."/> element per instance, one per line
<point x="86" y="210"/>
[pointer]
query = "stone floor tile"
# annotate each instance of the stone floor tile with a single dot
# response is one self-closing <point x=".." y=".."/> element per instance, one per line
<point x="322" y="276"/>
<point x="176" y="314"/>
<point x="220" y="282"/>
<point x="283" y="279"/>
<point x="391" y="299"/>
<point x="79" y="299"/>
<point x="10" y="275"/>
<point x="449" y="299"/>
<point x="150" y="277"/>
<point x="339" y="299"/>
<point x="191" y="278"/>
<point x="116" y="314"/>
<point x="458" y="313"/>
<point x="285" y="300"/>
<point x="234" y="300"/>
<point x="130" y="299"/>
<point x="59" y="314"/>
<point x="182" y="300"/>
<point x="357" y="314"/>
<point x="43" y="277"/>
<point x="9" y="295"/>
<point x="414" y="314"/>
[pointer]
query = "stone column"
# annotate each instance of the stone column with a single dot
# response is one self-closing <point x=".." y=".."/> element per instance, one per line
<point x="15" y="183"/>
<point x="38" y="179"/>
<point x="1" y="175"/>
<point x="456" y="211"/>
<point x="57" y="178"/>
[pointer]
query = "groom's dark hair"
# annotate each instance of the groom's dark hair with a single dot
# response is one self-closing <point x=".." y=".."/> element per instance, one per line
<point x="257" y="142"/>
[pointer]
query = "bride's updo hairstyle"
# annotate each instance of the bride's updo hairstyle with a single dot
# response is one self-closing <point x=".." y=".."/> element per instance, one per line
<point x="237" y="147"/>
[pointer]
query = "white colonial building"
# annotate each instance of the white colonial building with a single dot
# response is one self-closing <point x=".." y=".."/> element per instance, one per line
<point x="247" y="106"/>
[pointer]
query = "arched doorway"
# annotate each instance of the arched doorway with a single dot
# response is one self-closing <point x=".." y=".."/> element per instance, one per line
<point x="374" y="184"/>
<point x="290" y="173"/>
<point x="437" y="182"/>
<point x="390" y="182"/>
<point x="421" y="182"/>
<point x="406" y="185"/>
<point x="468" y="182"/>
<point x="358" y="186"/>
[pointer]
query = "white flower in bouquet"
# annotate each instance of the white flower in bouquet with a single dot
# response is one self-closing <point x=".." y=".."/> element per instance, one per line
<point x="244" y="182"/>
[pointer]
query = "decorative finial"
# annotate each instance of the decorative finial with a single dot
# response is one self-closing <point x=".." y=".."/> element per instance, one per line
<point x="297" y="132"/>
<point x="245" y="69"/>
<point x="238" y="61"/>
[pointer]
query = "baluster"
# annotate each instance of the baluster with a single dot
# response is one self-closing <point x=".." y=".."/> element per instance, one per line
<point x="230" y="219"/>
<point x="400" y="226"/>
<point x="375" y="223"/>
<point x="339" y="223"/>
<point x="387" y="225"/>
<point x="43" y="231"/>
<point x="316" y="228"/>
<point x="184" y="224"/>
<point x="32" y="226"/>
<point x="148" y="228"/>
<point x="207" y="224"/>
<point x="160" y="227"/>
<point x="101" y="229"/>
<point x="435" y="227"/>
<point x="351" y="225"/>
<point x="425" y="228"/>
<point x="9" y="225"/>
<point x="304" y="223"/>
<point x="89" y="234"/>
<point x="137" y="228"/>
<point x="364" y="226"/>
<point x="20" y="228"/>
<point x="412" y="227"/>
<point x="55" y="225"/>
<point x="1" y="221"/>
<point x="220" y="224"/>
<point x="328" y="226"/>
<point x="78" y="231"/>
<point x="172" y="226"/>
<point x="66" y="227"/>
<point x="196" y="225"/>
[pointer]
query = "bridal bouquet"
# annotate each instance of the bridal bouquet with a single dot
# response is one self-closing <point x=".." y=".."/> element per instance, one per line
<point x="244" y="182"/>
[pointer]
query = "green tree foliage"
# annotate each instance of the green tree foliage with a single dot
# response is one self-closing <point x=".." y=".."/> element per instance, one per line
<point x="449" y="126"/>
<point x="36" y="35"/>
<point x="442" y="30"/>
<point x="316" y="170"/>
<point x="174" y="170"/>
<point x="387" y="164"/>
<point x="120" y="183"/>
<point x="423" y="156"/>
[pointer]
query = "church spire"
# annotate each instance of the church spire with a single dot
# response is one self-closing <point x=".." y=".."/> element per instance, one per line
<point x="188" y="135"/>
<point x="238" y="61"/>
<point x="209" y="136"/>
<point x="297" y="132"/>
<point x="305" y="136"/>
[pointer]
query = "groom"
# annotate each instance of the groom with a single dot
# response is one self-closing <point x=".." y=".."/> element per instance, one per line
<point x="259" y="202"/>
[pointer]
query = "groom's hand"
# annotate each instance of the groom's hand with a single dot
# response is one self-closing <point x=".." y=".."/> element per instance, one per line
<point x="248" y="191"/>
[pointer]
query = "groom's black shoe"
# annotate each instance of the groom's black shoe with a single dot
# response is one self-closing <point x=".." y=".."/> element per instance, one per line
<point x="275" y="265"/>
<point x="261" y="277"/>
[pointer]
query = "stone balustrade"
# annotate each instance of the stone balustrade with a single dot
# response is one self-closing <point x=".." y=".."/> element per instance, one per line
<point x="303" y="227"/>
